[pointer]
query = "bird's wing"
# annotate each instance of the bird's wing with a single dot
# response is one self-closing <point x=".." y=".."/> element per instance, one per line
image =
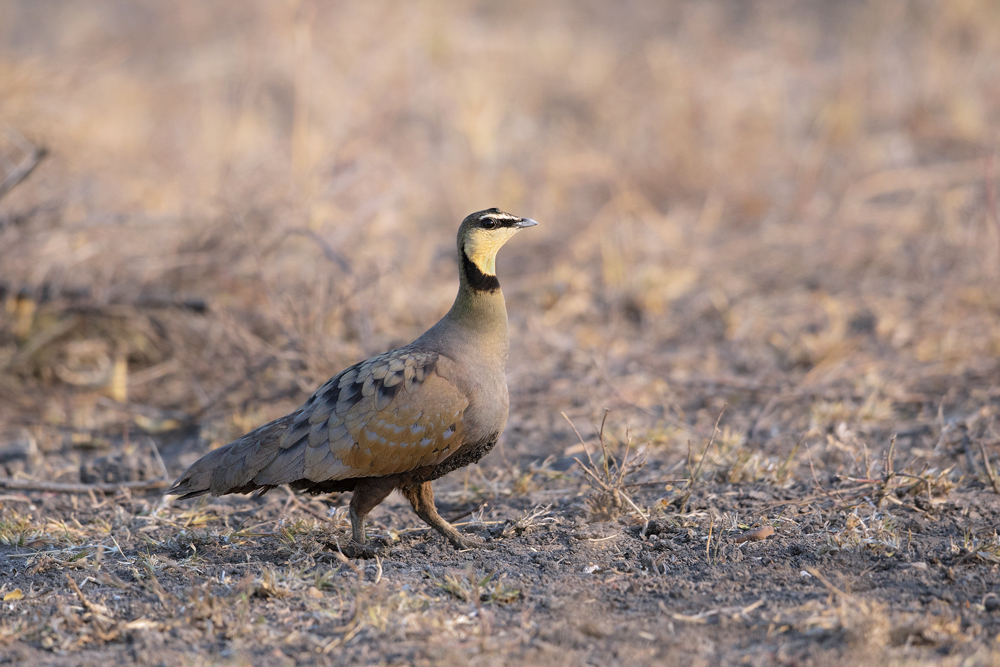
<point x="392" y="413"/>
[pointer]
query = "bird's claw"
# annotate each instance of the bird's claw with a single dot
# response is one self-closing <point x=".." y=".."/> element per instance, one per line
<point x="353" y="550"/>
<point x="465" y="542"/>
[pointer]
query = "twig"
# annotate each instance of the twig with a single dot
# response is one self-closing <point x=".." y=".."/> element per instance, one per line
<point x="331" y="255"/>
<point x="610" y="486"/>
<point x="991" y="197"/>
<point x="98" y="610"/>
<point x="156" y="454"/>
<point x="468" y="512"/>
<point x="829" y="585"/>
<point x="579" y="437"/>
<point x="989" y="469"/>
<point x="812" y="469"/>
<point x="868" y="480"/>
<point x="22" y="171"/>
<point x="704" y="453"/>
<point x="294" y="501"/>
<point x="711" y="442"/>
<point x="708" y="545"/>
<point x="657" y="482"/>
<point x="604" y="448"/>
<point x="68" y="487"/>
<point x="888" y="475"/>
<point x="703" y="616"/>
<point x="645" y="518"/>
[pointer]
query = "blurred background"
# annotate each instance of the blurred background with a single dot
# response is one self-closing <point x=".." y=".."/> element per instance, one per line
<point x="786" y="207"/>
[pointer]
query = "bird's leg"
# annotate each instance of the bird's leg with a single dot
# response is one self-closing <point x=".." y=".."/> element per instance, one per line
<point x="366" y="496"/>
<point x="421" y="497"/>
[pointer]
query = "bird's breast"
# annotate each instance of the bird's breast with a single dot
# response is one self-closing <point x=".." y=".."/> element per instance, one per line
<point x="487" y="411"/>
<point x="485" y="386"/>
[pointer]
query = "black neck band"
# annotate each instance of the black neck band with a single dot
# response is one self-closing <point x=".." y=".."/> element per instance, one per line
<point x="475" y="278"/>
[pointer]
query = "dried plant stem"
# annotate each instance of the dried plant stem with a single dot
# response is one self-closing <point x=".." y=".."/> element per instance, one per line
<point x="991" y="198"/>
<point x="883" y="488"/>
<point x="989" y="469"/>
<point x="708" y="544"/>
<point x="22" y="171"/>
<point x="579" y="437"/>
<point x="613" y="485"/>
<point x="711" y="441"/>
<point x="68" y="487"/>
<point x="694" y="475"/>
<point x="829" y="585"/>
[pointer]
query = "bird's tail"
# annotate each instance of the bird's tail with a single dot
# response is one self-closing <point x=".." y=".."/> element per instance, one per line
<point x="231" y="469"/>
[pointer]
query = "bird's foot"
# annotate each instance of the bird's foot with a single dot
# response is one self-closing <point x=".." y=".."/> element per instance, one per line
<point x="354" y="550"/>
<point x="465" y="542"/>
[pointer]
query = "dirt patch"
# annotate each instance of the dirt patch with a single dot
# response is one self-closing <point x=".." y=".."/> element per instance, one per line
<point x="260" y="580"/>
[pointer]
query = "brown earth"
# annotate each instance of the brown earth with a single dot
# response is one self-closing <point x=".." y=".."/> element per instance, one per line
<point x="763" y="291"/>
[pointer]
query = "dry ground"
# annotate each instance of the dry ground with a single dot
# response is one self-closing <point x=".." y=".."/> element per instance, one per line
<point x="769" y="247"/>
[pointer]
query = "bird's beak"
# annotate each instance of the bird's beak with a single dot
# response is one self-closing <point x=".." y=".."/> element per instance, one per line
<point x="525" y="222"/>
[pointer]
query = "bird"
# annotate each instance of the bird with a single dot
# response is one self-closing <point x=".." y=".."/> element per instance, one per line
<point x="398" y="420"/>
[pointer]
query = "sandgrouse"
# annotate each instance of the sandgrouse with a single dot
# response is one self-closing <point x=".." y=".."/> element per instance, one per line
<point x="397" y="420"/>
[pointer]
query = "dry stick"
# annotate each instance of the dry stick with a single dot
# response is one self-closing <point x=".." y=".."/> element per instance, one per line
<point x="694" y="476"/>
<point x="828" y="494"/>
<point x="301" y="506"/>
<point x="618" y="493"/>
<point x="482" y="506"/>
<point x="718" y="545"/>
<point x="645" y="518"/>
<point x="868" y="464"/>
<point x="829" y="585"/>
<point x="623" y="468"/>
<point x="22" y="171"/>
<point x="868" y="480"/>
<point x="708" y="545"/>
<point x="579" y="437"/>
<point x="604" y="448"/>
<point x="701" y="618"/>
<point x="97" y="610"/>
<point x="991" y="197"/>
<point x="68" y="487"/>
<point x="657" y="482"/>
<point x="711" y="441"/>
<point x="331" y="255"/>
<point x="989" y="469"/>
<point x="156" y="454"/>
<point x="888" y="475"/>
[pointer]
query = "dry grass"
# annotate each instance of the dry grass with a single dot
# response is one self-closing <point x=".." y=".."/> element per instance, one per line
<point x="784" y="213"/>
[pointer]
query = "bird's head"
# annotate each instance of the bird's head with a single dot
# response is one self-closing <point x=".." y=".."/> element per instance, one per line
<point x="483" y="233"/>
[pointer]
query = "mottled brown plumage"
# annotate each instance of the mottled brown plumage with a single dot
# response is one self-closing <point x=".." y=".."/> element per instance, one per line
<point x="397" y="420"/>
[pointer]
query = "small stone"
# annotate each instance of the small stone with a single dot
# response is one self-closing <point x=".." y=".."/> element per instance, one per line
<point x="756" y="535"/>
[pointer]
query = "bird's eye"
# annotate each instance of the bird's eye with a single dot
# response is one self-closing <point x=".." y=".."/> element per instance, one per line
<point x="489" y="223"/>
